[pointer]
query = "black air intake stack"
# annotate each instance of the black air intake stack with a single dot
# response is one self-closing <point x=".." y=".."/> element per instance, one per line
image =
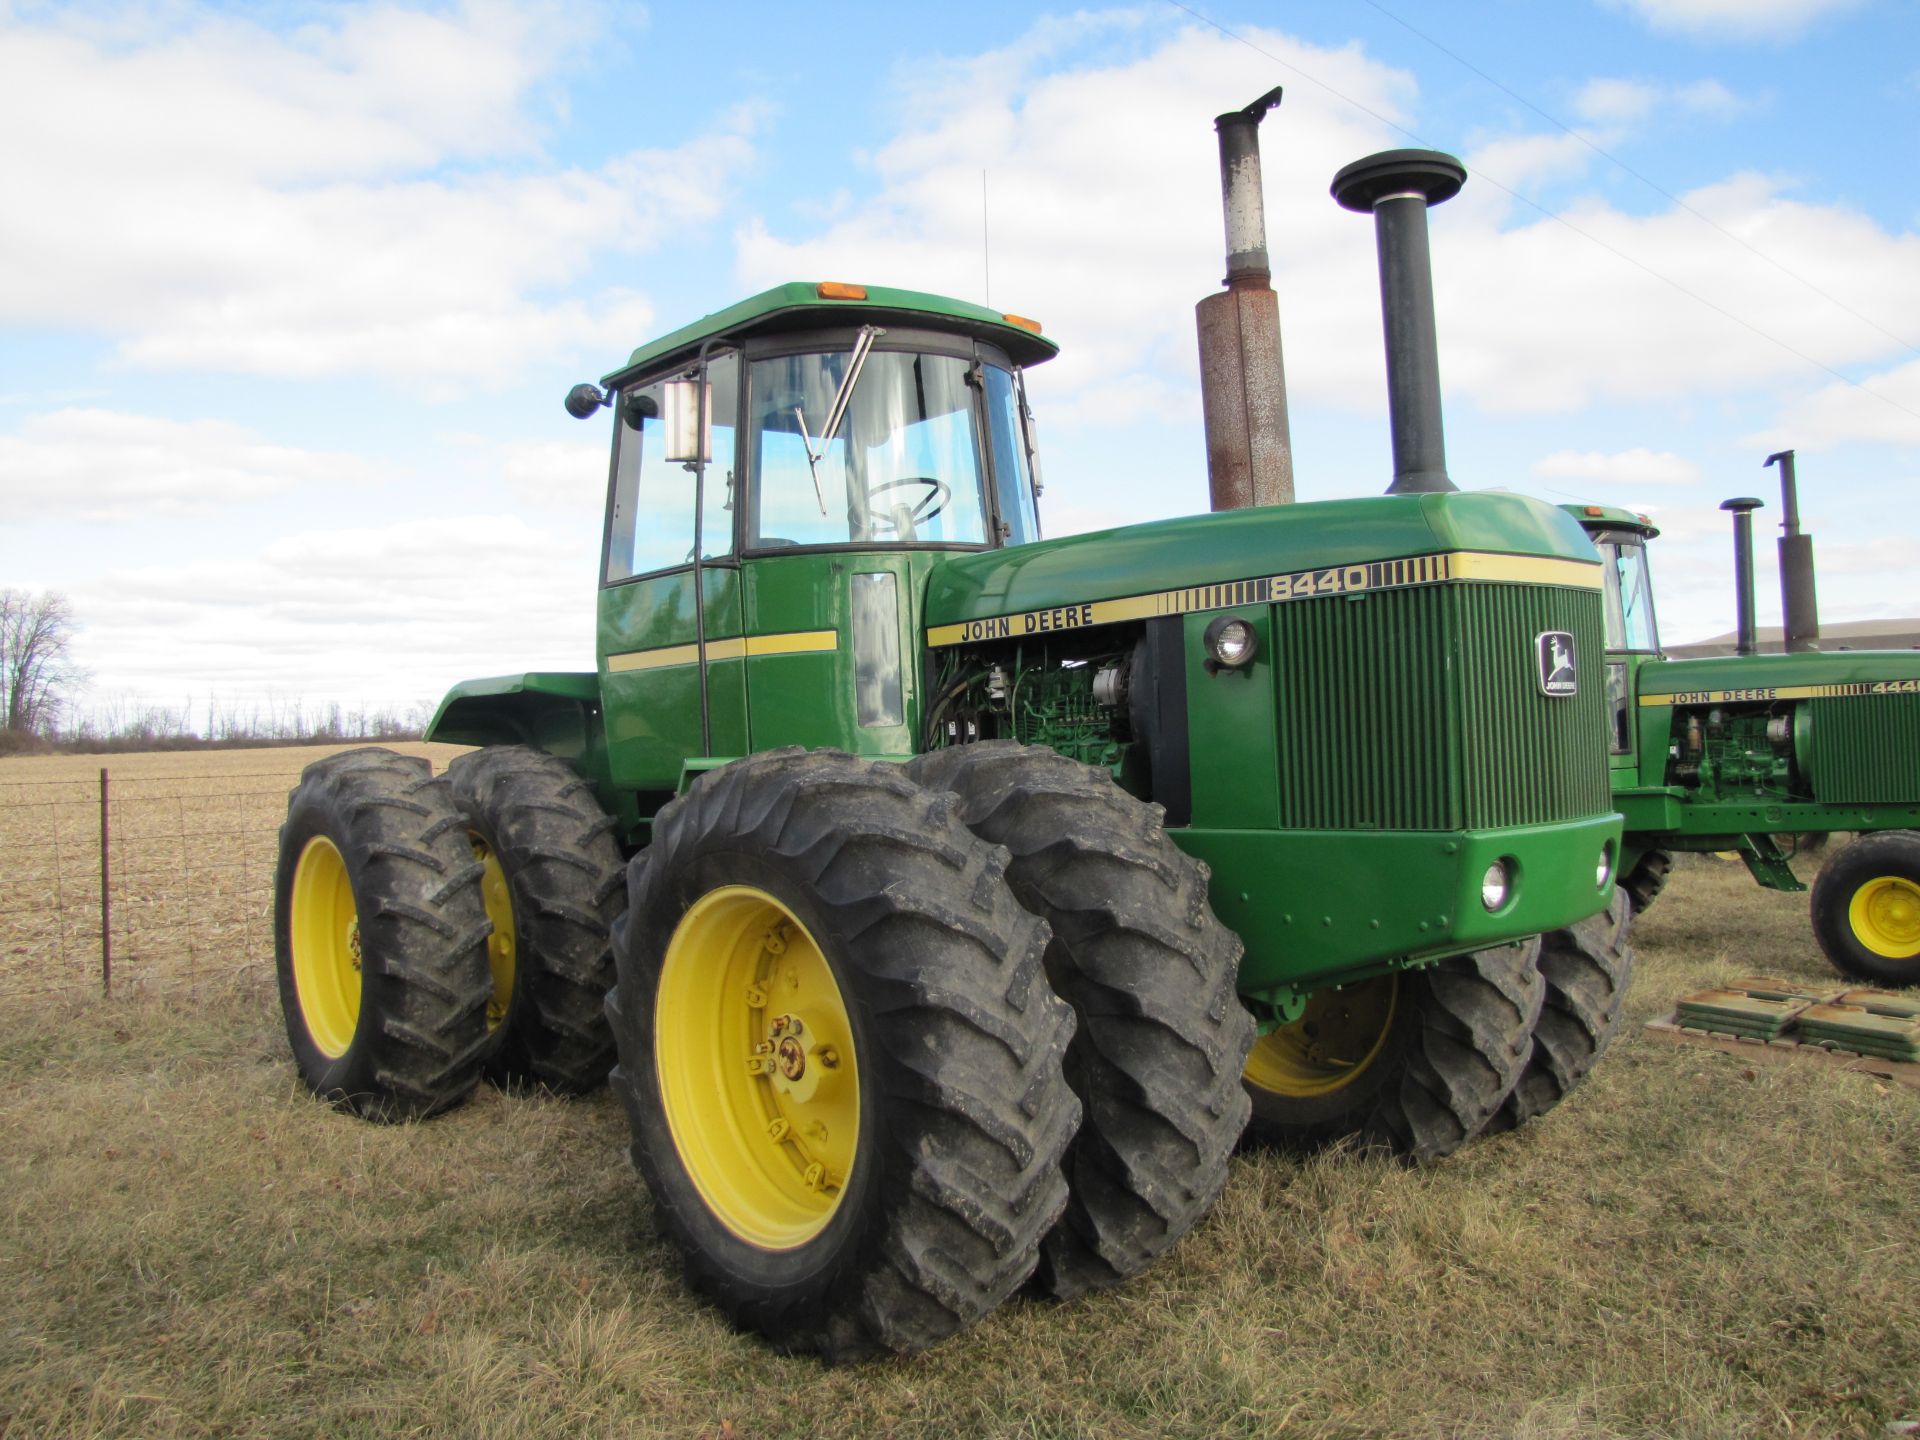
<point x="1745" y="640"/>
<point x="1799" y="605"/>
<point x="1243" y="386"/>
<point x="1398" y="186"/>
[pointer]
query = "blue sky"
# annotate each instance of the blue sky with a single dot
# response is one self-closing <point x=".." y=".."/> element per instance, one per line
<point x="291" y="293"/>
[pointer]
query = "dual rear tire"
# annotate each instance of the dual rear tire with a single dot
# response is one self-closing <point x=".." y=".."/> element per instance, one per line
<point x="432" y="930"/>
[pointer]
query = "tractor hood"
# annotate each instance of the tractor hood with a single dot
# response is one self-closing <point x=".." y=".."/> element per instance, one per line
<point x="1323" y="547"/>
<point x="1801" y="676"/>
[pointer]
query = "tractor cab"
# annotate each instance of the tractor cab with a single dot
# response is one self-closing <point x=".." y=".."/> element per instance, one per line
<point x="800" y="461"/>
<point x="1633" y="634"/>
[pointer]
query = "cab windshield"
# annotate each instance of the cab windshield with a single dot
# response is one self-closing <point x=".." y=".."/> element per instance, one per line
<point x="904" y="465"/>
<point x="1629" y="594"/>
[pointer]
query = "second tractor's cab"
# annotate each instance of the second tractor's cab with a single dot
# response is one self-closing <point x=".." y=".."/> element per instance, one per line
<point x="1730" y="752"/>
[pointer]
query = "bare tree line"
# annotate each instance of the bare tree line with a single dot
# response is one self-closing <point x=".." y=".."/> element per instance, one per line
<point x="40" y="686"/>
<point x="37" y="673"/>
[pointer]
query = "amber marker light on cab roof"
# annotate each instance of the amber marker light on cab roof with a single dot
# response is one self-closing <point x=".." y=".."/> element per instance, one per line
<point x="839" y="290"/>
<point x="1023" y="322"/>
<point x="1595" y="510"/>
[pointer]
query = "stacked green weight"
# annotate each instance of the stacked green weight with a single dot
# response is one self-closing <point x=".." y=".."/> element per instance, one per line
<point x="1880" y="1023"/>
<point x="1739" y="1012"/>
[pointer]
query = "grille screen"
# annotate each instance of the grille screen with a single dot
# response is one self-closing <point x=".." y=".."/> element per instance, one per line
<point x="1421" y="709"/>
<point x="1866" y="748"/>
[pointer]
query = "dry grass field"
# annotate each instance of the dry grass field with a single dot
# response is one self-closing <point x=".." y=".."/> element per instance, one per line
<point x="1690" y="1246"/>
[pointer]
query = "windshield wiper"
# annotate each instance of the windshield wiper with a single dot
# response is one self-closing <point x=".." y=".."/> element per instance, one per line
<point x="862" y="343"/>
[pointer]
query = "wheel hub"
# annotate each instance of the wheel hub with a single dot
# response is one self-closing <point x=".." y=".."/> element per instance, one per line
<point x="1336" y="1038"/>
<point x="324" y="935"/>
<point x="767" y="1131"/>
<point x="1886" y="916"/>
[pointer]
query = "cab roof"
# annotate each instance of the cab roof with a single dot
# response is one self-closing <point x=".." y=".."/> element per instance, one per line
<point x="1612" y="517"/>
<point x="805" y="304"/>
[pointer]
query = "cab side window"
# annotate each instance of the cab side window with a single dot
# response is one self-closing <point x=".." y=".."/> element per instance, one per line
<point x="650" y="520"/>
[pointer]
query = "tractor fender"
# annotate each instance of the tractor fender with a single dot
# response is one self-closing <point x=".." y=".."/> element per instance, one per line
<point x="554" y="711"/>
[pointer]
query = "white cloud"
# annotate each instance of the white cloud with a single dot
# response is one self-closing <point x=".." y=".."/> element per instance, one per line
<point x="1613" y="100"/>
<point x="1104" y="198"/>
<point x="1619" y="101"/>
<point x="96" y="465"/>
<point x="1103" y="185"/>
<point x="362" y="195"/>
<point x="1734" y="19"/>
<point x="1638" y="466"/>
<point x="389" y="615"/>
<point x="1710" y="97"/>
<point x="566" y="475"/>
<point x="1884" y="407"/>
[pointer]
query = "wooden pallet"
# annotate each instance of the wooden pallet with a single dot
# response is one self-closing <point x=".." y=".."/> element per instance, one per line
<point x="1777" y="1052"/>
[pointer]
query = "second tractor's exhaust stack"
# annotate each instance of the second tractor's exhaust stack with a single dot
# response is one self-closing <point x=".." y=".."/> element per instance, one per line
<point x="1398" y="186"/>
<point x="1799" y="602"/>
<point x="1243" y="385"/>
<point x="1745" y="630"/>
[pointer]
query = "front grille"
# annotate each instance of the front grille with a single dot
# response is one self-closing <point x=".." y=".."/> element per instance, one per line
<point x="1421" y="709"/>
<point x="1865" y="749"/>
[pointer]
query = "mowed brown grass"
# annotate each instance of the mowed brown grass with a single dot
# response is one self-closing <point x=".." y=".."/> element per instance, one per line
<point x="1691" y="1245"/>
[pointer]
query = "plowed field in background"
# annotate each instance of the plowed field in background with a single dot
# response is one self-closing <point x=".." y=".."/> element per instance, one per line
<point x="1690" y="1246"/>
<point x="192" y="855"/>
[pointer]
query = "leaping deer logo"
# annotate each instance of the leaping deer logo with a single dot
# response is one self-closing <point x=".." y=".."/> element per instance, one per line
<point x="1558" y="677"/>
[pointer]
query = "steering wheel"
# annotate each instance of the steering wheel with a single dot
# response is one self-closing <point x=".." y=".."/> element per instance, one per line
<point x="928" y="506"/>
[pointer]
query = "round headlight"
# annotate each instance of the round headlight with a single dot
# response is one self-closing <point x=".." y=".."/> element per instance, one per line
<point x="1605" y="872"/>
<point x="1496" y="884"/>
<point x="1229" y="641"/>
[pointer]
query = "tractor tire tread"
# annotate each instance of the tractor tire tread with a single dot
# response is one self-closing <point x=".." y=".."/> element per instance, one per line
<point x="423" y="928"/>
<point x="965" y="1042"/>
<point x="1162" y="1037"/>
<point x="564" y="870"/>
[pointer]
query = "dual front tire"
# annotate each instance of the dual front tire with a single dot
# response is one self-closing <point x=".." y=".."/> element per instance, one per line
<point x="839" y="1054"/>
<point x="1417" y="1063"/>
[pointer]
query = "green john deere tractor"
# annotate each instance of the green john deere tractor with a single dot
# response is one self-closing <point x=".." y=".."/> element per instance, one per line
<point x="956" y="895"/>
<point x="1732" y="752"/>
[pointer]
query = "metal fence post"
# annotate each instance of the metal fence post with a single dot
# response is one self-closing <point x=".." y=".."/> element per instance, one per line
<point x="106" y="896"/>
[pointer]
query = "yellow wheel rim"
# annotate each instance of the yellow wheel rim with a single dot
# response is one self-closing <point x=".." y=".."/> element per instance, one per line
<point x="1885" y="915"/>
<point x="500" y="952"/>
<point x="758" y="1077"/>
<point x="325" y="934"/>
<point x="1331" y="1045"/>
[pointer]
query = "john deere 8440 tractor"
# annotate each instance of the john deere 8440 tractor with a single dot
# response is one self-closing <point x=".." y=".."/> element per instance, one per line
<point x="954" y="894"/>
<point x="1729" y="752"/>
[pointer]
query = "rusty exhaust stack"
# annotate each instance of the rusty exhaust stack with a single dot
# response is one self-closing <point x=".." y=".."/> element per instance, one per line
<point x="1398" y="186"/>
<point x="1243" y="385"/>
<point x="1745" y="640"/>
<point x="1799" y="604"/>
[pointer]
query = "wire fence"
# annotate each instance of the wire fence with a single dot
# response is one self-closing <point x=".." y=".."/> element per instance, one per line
<point x="115" y="882"/>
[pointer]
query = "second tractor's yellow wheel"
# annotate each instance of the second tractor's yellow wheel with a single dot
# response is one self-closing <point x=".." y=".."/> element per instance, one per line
<point x="1866" y="908"/>
<point x="1330" y="1046"/>
<point x="1885" y="914"/>
<point x="757" y="1067"/>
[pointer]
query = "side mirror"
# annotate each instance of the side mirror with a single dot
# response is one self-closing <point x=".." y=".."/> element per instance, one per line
<point x="687" y="441"/>
<point x="637" y="406"/>
<point x="583" y="400"/>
